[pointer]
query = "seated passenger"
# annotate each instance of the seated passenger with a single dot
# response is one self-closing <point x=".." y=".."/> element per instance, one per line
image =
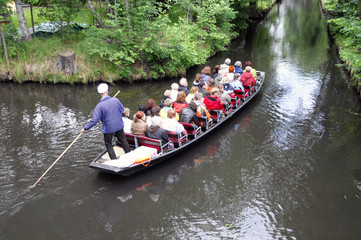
<point x="189" y="114"/>
<point x="139" y="126"/>
<point x="150" y="104"/>
<point x="203" y="88"/>
<point x="197" y="80"/>
<point x="174" y="91"/>
<point x="238" y="68"/>
<point x="212" y="102"/>
<point x="215" y="71"/>
<point x="206" y="73"/>
<point x="223" y="95"/>
<point x="236" y="84"/>
<point x="247" y="78"/>
<point x="143" y="108"/>
<point x="224" y="68"/>
<point x="211" y="84"/>
<point x="183" y="83"/>
<point x="202" y="110"/>
<point x="180" y="102"/>
<point x="190" y="96"/>
<point x="166" y="95"/>
<point x="167" y="106"/>
<point x="171" y="123"/>
<point x="126" y="120"/>
<point x="230" y="74"/>
<point x="227" y="86"/>
<point x="155" y="113"/>
<point x="155" y="131"/>
<point x="253" y="71"/>
<point x="218" y="80"/>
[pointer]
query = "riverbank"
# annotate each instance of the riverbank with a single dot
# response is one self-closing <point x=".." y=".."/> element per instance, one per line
<point x="344" y="25"/>
<point x="111" y="56"/>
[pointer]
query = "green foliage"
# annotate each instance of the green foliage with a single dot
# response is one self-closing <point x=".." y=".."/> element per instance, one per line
<point x="3" y="8"/>
<point x="345" y="25"/>
<point x="144" y="39"/>
<point x="264" y="4"/>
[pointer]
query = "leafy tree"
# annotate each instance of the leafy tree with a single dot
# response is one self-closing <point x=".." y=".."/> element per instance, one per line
<point x="142" y="36"/>
<point x="4" y="10"/>
<point x="62" y="10"/>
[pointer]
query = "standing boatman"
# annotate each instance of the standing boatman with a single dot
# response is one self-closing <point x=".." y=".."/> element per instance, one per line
<point x="109" y="110"/>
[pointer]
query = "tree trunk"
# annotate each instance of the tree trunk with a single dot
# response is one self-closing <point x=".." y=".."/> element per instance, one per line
<point x="5" y="50"/>
<point x="22" y="21"/>
<point x="70" y="6"/>
<point x="101" y="10"/>
<point x="66" y="61"/>
<point x="95" y="15"/>
<point x="32" y="19"/>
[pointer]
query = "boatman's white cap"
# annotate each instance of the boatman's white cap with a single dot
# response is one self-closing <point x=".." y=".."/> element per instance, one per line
<point x="102" y="88"/>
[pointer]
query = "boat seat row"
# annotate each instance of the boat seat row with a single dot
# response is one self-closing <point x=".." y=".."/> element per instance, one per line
<point x="191" y="131"/>
<point x="136" y="141"/>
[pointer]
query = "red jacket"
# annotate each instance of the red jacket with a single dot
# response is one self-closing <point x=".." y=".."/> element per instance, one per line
<point x="177" y="106"/>
<point x="247" y="79"/>
<point x="213" y="103"/>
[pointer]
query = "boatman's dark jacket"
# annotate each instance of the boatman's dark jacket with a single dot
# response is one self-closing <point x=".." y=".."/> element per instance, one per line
<point x="109" y="110"/>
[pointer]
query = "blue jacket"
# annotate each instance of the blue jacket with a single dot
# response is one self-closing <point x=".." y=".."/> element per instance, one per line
<point x="109" y="110"/>
<point x="205" y="77"/>
<point x="238" y="70"/>
<point x="236" y="84"/>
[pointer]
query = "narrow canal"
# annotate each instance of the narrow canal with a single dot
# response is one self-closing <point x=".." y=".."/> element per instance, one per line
<point x="286" y="167"/>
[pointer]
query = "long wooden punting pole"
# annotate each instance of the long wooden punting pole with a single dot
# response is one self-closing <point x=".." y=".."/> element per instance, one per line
<point x="58" y="159"/>
<point x="47" y="170"/>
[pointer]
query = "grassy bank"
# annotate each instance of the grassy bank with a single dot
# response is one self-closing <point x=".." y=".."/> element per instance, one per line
<point x="344" y="19"/>
<point x="131" y="50"/>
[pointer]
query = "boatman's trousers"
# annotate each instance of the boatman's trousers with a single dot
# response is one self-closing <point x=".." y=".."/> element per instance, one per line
<point x="108" y="139"/>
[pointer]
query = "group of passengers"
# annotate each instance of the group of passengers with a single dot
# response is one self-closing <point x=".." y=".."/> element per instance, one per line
<point x="209" y="91"/>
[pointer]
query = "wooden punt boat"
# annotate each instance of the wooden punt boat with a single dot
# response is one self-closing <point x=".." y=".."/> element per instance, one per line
<point x="147" y="152"/>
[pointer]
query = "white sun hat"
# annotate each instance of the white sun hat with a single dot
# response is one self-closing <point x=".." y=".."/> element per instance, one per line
<point x="102" y="88"/>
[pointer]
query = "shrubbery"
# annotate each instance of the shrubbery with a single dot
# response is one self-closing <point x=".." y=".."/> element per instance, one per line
<point x="344" y="17"/>
<point x="137" y="42"/>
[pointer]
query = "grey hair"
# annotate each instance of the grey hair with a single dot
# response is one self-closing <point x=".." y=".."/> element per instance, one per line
<point x="156" y="121"/>
<point x="198" y="96"/>
<point x="183" y="81"/>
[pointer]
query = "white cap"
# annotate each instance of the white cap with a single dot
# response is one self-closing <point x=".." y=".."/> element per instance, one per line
<point x="102" y="88"/>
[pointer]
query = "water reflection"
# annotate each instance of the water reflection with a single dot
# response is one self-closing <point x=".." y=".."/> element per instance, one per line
<point x="285" y="167"/>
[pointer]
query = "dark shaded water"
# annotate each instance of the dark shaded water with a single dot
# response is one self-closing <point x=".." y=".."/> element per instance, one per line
<point x="284" y="168"/>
